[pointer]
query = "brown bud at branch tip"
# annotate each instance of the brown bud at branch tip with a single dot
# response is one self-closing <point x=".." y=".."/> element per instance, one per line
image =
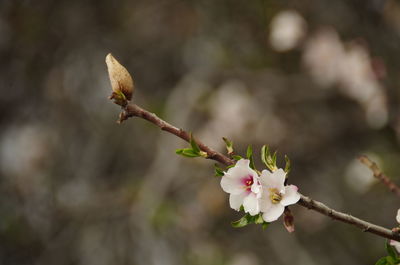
<point x="121" y="80"/>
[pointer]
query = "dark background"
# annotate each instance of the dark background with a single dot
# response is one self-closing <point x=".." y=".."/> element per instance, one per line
<point x="317" y="80"/>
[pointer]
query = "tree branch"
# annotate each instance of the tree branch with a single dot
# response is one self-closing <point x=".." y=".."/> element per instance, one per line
<point x="380" y="175"/>
<point x="132" y="110"/>
<point x="347" y="218"/>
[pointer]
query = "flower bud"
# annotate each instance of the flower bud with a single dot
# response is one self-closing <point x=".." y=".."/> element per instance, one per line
<point x="121" y="80"/>
<point x="288" y="220"/>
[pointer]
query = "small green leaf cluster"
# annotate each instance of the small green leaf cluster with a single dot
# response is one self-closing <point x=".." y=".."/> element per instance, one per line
<point x="219" y="172"/>
<point x="229" y="146"/>
<point x="391" y="259"/>
<point x="248" y="219"/>
<point x="229" y="149"/>
<point x="269" y="159"/>
<point x="249" y="155"/>
<point x="193" y="151"/>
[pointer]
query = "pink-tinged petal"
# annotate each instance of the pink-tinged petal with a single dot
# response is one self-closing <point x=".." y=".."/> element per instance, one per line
<point x="235" y="201"/>
<point x="274" y="180"/>
<point x="273" y="212"/>
<point x="243" y="163"/>
<point x="231" y="185"/>
<point x="395" y="244"/>
<point x="251" y="205"/>
<point x="398" y="216"/>
<point x="241" y="170"/>
<point x="291" y="195"/>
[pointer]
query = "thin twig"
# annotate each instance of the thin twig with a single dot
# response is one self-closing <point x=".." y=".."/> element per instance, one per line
<point x="132" y="110"/>
<point x="347" y="218"/>
<point x="380" y="175"/>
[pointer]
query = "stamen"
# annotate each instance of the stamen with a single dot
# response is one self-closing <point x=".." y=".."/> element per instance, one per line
<point x="275" y="196"/>
<point x="247" y="182"/>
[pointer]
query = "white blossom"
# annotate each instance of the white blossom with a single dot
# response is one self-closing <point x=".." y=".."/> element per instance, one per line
<point x="395" y="244"/>
<point x="244" y="187"/>
<point x="276" y="195"/>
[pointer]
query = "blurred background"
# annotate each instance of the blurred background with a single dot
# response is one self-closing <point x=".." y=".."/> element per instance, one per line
<point x="317" y="80"/>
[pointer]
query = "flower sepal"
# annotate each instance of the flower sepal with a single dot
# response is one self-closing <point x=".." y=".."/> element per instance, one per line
<point x="249" y="219"/>
<point x="219" y="172"/>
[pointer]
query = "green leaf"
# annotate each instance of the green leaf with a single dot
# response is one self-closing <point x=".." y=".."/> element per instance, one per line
<point x="264" y="154"/>
<point x="194" y="145"/>
<point x="187" y="152"/>
<point x="390" y="260"/>
<point x="287" y="165"/>
<point x="265" y="225"/>
<point x="258" y="219"/>
<point x="274" y="158"/>
<point x="120" y="95"/>
<point x="237" y="157"/>
<point x="268" y="159"/>
<point x="229" y="145"/>
<point x="241" y="222"/>
<point x="391" y="250"/>
<point x="249" y="152"/>
<point x="248" y="219"/>
<point x="249" y="155"/>
<point x="179" y="151"/>
<point x="218" y="171"/>
<point x="381" y="261"/>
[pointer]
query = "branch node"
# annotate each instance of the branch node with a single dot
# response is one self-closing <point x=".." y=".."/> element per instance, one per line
<point x="122" y="117"/>
<point x="366" y="229"/>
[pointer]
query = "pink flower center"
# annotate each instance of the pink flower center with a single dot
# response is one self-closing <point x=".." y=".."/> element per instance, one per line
<point x="247" y="182"/>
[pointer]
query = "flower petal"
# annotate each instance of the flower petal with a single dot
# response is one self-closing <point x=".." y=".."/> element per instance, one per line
<point x="265" y="203"/>
<point x="256" y="187"/>
<point x="395" y="244"/>
<point x="231" y="185"/>
<point x="251" y="205"/>
<point x="235" y="201"/>
<point x="273" y="212"/>
<point x="291" y="195"/>
<point x="264" y="178"/>
<point x="241" y="169"/>
<point x="242" y="163"/>
<point x="398" y="216"/>
<point x="273" y="180"/>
